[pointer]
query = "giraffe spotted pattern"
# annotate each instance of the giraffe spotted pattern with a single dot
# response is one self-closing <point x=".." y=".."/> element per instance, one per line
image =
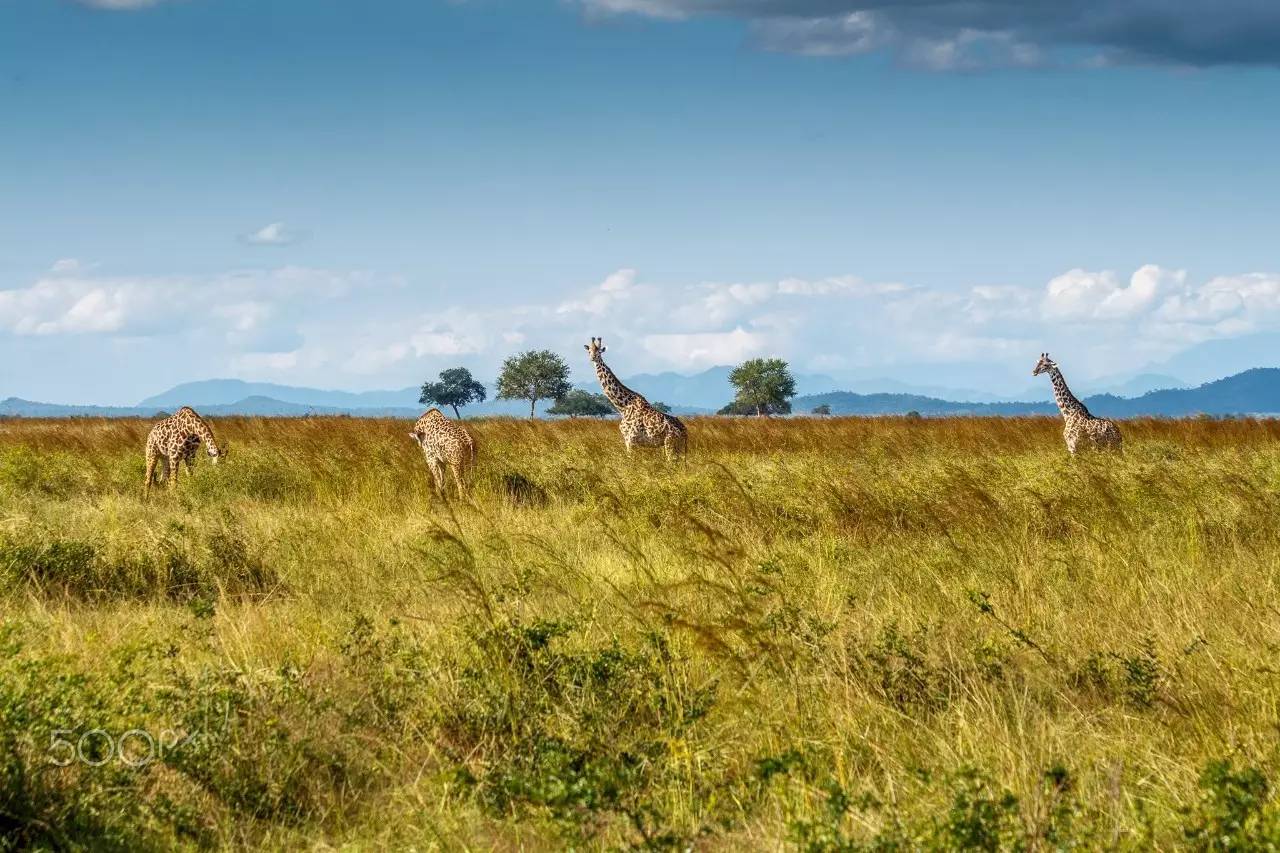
<point x="175" y="440"/>
<point x="1080" y="429"/>
<point x="642" y="425"/>
<point x="445" y="444"/>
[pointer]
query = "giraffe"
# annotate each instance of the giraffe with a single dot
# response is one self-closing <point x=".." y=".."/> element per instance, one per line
<point x="445" y="443"/>
<point x="1081" y="428"/>
<point x="642" y="425"/>
<point x="175" y="440"/>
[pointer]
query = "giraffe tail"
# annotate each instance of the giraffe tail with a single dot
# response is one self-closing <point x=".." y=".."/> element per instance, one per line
<point x="471" y="457"/>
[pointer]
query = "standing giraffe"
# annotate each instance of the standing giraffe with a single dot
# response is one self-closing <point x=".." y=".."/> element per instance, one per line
<point x="445" y="443"/>
<point x="1080" y="426"/>
<point x="642" y="425"/>
<point x="175" y="440"/>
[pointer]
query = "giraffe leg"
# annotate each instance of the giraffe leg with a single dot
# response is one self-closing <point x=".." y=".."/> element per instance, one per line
<point x="628" y="437"/>
<point x="431" y="467"/>
<point x="437" y="477"/>
<point x="456" y="469"/>
<point x="442" y="479"/>
<point x="174" y="463"/>
<point x="151" y="472"/>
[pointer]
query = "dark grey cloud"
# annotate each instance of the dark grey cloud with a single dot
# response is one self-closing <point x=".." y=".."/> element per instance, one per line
<point x="966" y="33"/>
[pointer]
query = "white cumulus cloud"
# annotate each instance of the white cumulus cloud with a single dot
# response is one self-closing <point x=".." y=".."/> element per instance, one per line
<point x="240" y="305"/>
<point x="273" y="234"/>
<point x="307" y="325"/>
<point x="700" y="350"/>
<point x="67" y="266"/>
<point x="1079" y="294"/>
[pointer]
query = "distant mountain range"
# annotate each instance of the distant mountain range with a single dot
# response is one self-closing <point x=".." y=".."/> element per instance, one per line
<point x="234" y="396"/>
<point x="255" y="405"/>
<point x="1222" y="357"/>
<point x="219" y="392"/>
<point x="702" y="392"/>
<point x="1255" y="391"/>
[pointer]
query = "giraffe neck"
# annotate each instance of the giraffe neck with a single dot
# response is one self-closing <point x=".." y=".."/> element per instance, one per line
<point x="196" y="424"/>
<point x="1067" y="402"/>
<point x="619" y="395"/>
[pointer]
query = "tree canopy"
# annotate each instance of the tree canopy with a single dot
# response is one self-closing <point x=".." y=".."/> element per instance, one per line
<point x="579" y="403"/>
<point x="764" y="386"/>
<point x="821" y="409"/>
<point x="456" y="388"/>
<point x="534" y="375"/>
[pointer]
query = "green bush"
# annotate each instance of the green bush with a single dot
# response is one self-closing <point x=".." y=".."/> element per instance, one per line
<point x="1235" y="810"/>
<point x="581" y="735"/>
<point x="172" y="568"/>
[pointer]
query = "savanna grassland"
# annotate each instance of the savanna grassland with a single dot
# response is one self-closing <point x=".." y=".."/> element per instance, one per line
<point x="827" y="634"/>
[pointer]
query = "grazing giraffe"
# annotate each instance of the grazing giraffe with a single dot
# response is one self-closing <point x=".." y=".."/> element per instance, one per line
<point x="642" y="425"/>
<point x="1081" y="428"/>
<point x="175" y="440"/>
<point x="445" y="443"/>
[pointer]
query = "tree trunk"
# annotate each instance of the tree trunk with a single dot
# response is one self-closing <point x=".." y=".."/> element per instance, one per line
<point x="759" y="410"/>
<point x="532" y="403"/>
<point x="456" y="414"/>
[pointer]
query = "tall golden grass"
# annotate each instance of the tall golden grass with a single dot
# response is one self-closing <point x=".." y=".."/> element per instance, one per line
<point x="827" y="633"/>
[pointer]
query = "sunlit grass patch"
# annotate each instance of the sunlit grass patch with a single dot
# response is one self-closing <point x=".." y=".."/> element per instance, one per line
<point x="820" y="633"/>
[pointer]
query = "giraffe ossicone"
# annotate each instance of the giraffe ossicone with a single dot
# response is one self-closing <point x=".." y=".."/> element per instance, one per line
<point x="642" y="425"/>
<point x="1080" y="428"/>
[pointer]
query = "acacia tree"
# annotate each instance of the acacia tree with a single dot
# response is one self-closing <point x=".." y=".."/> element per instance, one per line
<point x="764" y="385"/>
<point x="533" y="376"/>
<point x="579" y="403"/>
<point x="456" y="388"/>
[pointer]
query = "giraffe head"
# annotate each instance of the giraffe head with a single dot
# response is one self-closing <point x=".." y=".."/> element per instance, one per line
<point x="1044" y="365"/>
<point x="595" y="349"/>
<point x="216" y="453"/>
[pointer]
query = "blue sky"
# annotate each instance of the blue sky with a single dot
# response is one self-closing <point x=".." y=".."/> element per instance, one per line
<point x="359" y="194"/>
